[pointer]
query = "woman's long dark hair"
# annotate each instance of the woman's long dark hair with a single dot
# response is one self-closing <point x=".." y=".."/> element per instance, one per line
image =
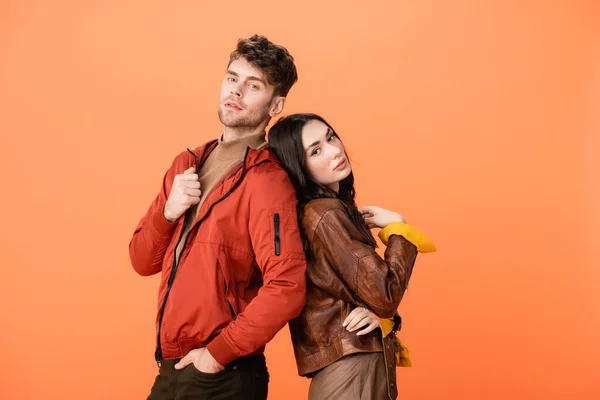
<point x="285" y="139"/>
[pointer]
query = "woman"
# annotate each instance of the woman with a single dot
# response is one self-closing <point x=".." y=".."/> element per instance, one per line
<point x="336" y="340"/>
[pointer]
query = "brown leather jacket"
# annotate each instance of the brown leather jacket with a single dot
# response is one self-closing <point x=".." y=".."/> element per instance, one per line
<point x="345" y="273"/>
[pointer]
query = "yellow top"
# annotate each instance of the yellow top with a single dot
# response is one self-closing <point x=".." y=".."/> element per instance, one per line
<point x="416" y="237"/>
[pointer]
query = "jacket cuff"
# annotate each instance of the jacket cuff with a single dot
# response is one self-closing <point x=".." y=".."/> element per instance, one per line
<point x="414" y="236"/>
<point x="221" y="351"/>
<point x="162" y="225"/>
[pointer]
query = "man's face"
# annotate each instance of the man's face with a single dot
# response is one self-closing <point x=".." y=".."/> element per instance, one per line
<point x="247" y="99"/>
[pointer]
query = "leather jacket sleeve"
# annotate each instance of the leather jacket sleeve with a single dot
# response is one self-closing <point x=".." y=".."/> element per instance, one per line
<point x="348" y="268"/>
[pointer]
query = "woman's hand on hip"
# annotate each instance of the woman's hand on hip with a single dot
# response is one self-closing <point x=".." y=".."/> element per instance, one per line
<point x="360" y="317"/>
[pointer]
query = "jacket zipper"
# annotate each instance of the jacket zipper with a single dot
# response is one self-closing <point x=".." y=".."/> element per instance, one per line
<point x="158" y="353"/>
<point x="277" y="239"/>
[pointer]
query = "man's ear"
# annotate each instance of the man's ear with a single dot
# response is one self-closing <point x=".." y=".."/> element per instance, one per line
<point x="277" y="105"/>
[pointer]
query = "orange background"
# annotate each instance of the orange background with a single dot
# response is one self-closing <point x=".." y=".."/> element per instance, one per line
<point x="478" y="120"/>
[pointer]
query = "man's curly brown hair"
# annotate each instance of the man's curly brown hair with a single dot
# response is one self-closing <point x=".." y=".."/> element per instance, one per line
<point x="274" y="60"/>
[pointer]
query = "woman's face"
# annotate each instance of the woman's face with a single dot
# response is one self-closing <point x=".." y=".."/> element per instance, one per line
<point x="326" y="159"/>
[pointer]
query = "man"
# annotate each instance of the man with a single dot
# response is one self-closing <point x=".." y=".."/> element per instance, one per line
<point x="223" y="231"/>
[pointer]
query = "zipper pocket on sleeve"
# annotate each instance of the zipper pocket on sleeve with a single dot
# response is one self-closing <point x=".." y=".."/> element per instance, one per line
<point x="277" y="238"/>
